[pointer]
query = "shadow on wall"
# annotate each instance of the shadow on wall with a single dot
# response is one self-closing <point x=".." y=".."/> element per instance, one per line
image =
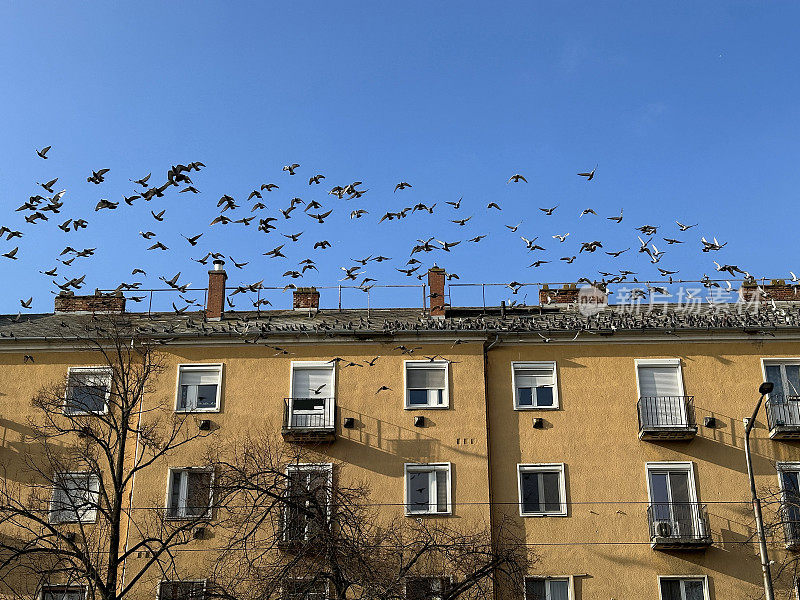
<point x="17" y="451"/>
<point x="380" y="440"/>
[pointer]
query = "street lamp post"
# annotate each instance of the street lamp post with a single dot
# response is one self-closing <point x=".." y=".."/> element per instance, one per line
<point x="764" y="389"/>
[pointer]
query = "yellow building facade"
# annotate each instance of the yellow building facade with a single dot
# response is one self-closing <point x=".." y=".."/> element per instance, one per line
<point x="614" y="439"/>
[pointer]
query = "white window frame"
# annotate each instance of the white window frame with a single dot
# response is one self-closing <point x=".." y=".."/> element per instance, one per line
<point x="772" y="361"/>
<point x="432" y="467"/>
<point x="659" y="362"/>
<point x="780" y="467"/>
<point x="188" y="368"/>
<point x="326" y="582"/>
<point x="203" y="581"/>
<point x="704" y="578"/>
<point x="570" y="584"/>
<point x="562" y="487"/>
<point x="105" y="370"/>
<point x="49" y="586"/>
<point x="181" y="513"/>
<point x="330" y="407"/>
<point x="520" y="364"/>
<point x="73" y="518"/>
<point x="672" y="466"/>
<point x="316" y="467"/>
<point x="422" y="364"/>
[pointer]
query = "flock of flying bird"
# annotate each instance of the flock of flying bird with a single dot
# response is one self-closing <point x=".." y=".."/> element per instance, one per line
<point x="265" y="217"/>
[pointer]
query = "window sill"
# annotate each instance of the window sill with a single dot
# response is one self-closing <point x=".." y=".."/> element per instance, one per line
<point x="429" y="514"/>
<point x="543" y="515"/>
<point x="530" y="408"/>
<point x="423" y="407"/>
<point x="204" y="518"/>
<point x="184" y="411"/>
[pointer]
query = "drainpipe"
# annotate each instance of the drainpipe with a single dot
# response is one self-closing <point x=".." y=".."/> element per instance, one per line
<point x="486" y="348"/>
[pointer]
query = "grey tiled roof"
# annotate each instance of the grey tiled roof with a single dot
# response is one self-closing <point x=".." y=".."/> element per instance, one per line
<point x="469" y="322"/>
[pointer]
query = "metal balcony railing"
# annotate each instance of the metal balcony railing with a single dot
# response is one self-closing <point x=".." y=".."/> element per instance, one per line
<point x="678" y="525"/>
<point x="790" y="517"/>
<point x="666" y="417"/>
<point x="308" y="419"/>
<point x="783" y="416"/>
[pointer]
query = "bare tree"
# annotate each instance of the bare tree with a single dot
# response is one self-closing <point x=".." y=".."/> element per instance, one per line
<point x="296" y="526"/>
<point x="66" y="508"/>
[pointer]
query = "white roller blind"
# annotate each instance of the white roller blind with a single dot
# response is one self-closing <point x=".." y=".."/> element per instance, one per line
<point x="532" y="378"/>
<point x="428" y="378"/>
<point x="199" y="377"/>
<point x="305" y="380"/>
<point x="659" y="381"/>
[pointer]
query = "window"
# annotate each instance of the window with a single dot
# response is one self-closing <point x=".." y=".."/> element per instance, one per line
<point x="426" y="384"/>
<point x="673" y="510"/>
<point x="682" y="588"/>
<point x="189" y="493"/>
<point x="75" y="497"/>
<point x="547" y="588"/>
<point x="88" y="389"/>
<point x="785" y="376"/>
<point x="789" y="477"/>
<point x="542" y="490"/>
<point x="428" y="489"/>
<point x="661" y="395"/>
<point x="313" y="387"/>
<point x="534" y="385"/>
<point x="427" y="588"/>
<point x="182" y="590"/>
<point x="308" y="490"/>
<point x="198" y="388"/>
<point x="63" y="592"/>
<point x="304" y="589"/>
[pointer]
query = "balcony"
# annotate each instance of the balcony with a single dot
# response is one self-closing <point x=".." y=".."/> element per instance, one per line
<point x="308" y="420"/>
<point x="783" y="417"/>
<point x="678" y="526"/>
<point x="666" y="418"/>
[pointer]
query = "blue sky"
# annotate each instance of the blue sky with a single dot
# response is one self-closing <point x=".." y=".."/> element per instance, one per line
<point x="689" y="110"/>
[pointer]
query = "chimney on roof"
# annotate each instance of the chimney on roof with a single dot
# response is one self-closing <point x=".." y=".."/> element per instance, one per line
<point x="305" y="298"/>
<point x="109" y="304"/>
<point x="777" y="290"/>
<point x="436" y="277"/>
<point x="566" y="295"/>
<point x="215" y="298"/>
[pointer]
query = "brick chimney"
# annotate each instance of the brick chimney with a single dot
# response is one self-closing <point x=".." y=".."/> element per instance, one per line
<point x="566" y="295"/>
<point x="110" y="304"/>
<point x="436" y="276"/>
<point x="777" y="290"/>
<point x="215" y="299"/>
<point x="305" y="298"/>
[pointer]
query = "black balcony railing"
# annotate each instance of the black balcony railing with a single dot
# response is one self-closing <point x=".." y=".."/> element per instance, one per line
<point x="676" y="525"/>
<point x="666" y="417"/>
<point x="783" y="416"/>
<point x="308" y="418"/>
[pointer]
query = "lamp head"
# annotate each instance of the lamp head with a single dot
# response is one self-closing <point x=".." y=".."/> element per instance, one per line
<point x="765" y="388"/>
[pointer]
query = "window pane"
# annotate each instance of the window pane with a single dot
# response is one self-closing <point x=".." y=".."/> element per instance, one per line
<point x="185" y="590"/>
<point x="207" y="396"/>
<point x="418" y="491"/>
<point x="308" y="404"/>
<point x="533" y="377"/>
<point x="793" y="380"/>
<point x="198" y="493"/>
<point x="175" y="493"/>
<point x="693" y="590"/>
<point x="184" y="399"/>
<point x="534" y="589"/>
<point x="524" y="396"/>
<point x="670" y="589"/>
<point x="559" y="589"/>
<point x="774" y="377"/>
<point x="426" y="378"/>
<point x="530" y="492"/>
<point x="544" y="396"/>
<point x="87" y="391"/>
<point x="308" y="382"/>
<point x="552" y="494"/>
<point x="441" y="490"/>
<point x="418" y="397"/>
<point x="63" y="593"/>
